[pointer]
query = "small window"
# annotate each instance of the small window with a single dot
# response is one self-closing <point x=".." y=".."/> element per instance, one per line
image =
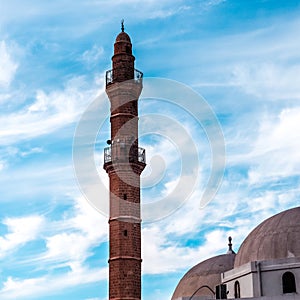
<point x="125" y="232"/>
<point x="237" y="290"/>
<point x="288" y="283"/>
<point x="125" y="196"/>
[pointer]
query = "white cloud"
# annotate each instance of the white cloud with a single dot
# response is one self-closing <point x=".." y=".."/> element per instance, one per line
<point x="276" y="151"/>
<point x="166" y="243"/>
<point x="211" y="3"/>
<point x="7" y="66"/>
<point x="49" y="112"/>
<point x="35" y="288"/>
<point x="69" y="242"/>
<point x="162" y="256"/>
<point x="2" y="165"/>
<point x="270" y="81"/>
<point x="20" y="231"/>
<point x="31" y="151"/>
<point x="234" y="212"/>
<point x="92" y="56"/>
<point x="69" y="247"/>
<point x="166" y="13"/>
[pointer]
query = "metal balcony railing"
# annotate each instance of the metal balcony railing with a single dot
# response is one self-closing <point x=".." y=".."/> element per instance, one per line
<point x="142" y="155"/>
<point x="110" y="78"/>
<point x="108" y="155"/>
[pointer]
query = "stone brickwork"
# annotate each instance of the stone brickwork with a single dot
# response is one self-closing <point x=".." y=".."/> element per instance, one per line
<point x="124" y="171"/>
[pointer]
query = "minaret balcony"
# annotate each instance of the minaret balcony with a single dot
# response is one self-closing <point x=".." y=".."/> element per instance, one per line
<point x="112" y="78"/>
<point x="108" y="156"/>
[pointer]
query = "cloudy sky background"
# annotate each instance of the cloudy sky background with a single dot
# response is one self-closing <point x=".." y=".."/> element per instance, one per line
<point x="242" y="56"/>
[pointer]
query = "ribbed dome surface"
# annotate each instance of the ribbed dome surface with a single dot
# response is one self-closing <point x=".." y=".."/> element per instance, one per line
<point x="275" y="238"/>
<point x="206" y="273"/>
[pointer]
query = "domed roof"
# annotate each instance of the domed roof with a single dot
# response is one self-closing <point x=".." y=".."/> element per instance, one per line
<point x="123" y="37"/>
<point x="276" y="237"/>
<point x="206" y="273"/>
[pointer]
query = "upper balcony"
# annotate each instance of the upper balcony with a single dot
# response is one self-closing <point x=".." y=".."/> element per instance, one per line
<point x="108" y="155"/>
<point x="120" y="75"/>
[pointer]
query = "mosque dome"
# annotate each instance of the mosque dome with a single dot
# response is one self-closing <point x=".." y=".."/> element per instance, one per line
<point x="206" y="274"/>
<point x="275" y="238"/>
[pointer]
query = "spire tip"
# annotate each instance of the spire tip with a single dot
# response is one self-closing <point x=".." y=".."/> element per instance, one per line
<point x="230" y="250"/>
<point x="122" y="25"/>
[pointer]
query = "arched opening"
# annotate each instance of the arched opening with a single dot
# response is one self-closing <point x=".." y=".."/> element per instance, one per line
<point x="288" y="283"/>
<point x="237" y="290"/>
<point x="202" y="287"/>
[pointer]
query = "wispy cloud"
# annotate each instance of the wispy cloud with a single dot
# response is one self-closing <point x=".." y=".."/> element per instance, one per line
<point x="69" y="241"/>
<point x="49" y="112"/>
<point x="20" y="231"/>
<point x="68" y="244"/>
<point x="35" y="288"/>
<point x="276" y="151"/>
<point x="268" y="81"/>
<point x="92" y="56"/>
<point x="162" y="256"/>
<point x="8" y="66"/>
<point x="247" y="67"/>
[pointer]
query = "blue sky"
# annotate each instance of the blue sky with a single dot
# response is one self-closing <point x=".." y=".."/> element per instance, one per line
<point x="241" y="56"/>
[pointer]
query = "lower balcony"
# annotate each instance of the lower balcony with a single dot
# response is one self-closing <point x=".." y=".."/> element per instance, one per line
<point x="108" y="155"/>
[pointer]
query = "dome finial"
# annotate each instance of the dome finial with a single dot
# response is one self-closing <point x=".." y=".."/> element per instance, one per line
<point x="122" y="25"/>
<point x="230" y="246"/>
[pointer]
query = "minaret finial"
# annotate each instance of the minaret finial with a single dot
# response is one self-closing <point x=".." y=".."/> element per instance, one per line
<point x="122" y="25"/>
<point x="230" y="246"/>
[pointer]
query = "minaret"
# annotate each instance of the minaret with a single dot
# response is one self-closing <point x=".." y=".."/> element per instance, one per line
<point x="124" y="161"/>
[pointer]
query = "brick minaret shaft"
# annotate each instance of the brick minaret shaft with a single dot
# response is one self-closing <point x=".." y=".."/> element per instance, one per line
<point x="124" y="161"/>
